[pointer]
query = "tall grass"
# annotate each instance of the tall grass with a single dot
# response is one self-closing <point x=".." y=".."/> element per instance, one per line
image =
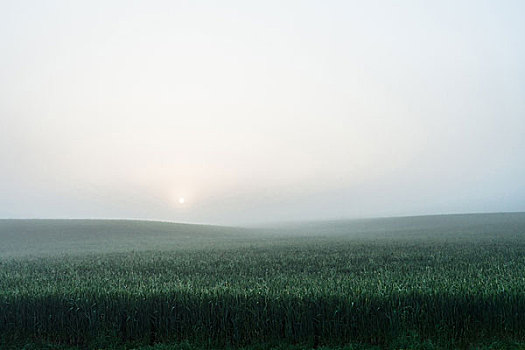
<point x="307" y="291"/>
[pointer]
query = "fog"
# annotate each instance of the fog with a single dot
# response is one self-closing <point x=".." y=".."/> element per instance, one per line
<point x="261" y="111"/>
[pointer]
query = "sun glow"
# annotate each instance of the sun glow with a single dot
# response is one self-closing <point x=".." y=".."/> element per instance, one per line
<point x="181" y="200"/>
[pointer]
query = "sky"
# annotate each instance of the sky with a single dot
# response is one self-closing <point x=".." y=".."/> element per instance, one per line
<point x="260" y="111"/>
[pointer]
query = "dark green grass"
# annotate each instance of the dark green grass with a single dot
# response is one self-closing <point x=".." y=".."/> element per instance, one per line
<point x="410" y="344"/>
<point x="459" y="283"/>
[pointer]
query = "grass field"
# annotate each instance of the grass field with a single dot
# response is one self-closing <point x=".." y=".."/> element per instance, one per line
<point x="455" y="281"/>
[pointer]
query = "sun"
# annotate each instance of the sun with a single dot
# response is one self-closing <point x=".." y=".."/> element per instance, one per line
<point x="181" y="200"/>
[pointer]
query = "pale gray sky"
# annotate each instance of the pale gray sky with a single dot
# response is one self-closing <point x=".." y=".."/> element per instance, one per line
<point x="261" y="111"/>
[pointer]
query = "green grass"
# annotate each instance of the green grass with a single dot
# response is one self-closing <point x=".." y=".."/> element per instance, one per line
<point x="425" y="283"/>
<point x="58" y="237"/>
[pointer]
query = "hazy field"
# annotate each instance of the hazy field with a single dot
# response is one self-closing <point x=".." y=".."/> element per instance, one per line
<point x="427" y="282"/>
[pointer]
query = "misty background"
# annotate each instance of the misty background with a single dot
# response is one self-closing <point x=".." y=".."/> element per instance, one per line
<point x="261" y="111"/>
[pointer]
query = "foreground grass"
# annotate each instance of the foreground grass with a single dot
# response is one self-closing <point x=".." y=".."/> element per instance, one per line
<point x="495" y="345"/>
<point x="429" y="292"/>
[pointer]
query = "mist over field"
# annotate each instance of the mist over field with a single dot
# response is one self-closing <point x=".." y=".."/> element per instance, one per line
<point x="260" y="112"/>
<point x="266" y="175"/>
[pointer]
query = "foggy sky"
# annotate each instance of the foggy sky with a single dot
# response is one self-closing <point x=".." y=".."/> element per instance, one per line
<point x="261" y="111"/>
